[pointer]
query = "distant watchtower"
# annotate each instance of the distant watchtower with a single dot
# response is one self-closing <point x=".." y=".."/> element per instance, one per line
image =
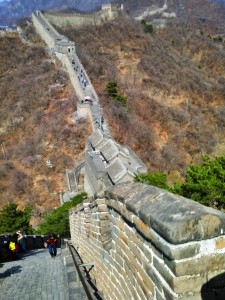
<point x="112" y="10"/>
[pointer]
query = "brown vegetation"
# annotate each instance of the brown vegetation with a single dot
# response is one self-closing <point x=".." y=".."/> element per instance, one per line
<point x="174" y="83"/>
<point x="36" y="107"/>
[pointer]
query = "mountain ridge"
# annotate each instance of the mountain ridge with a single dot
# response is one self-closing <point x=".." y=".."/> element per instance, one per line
<point x="173" y="80"/>
<point x="13" y="10"/>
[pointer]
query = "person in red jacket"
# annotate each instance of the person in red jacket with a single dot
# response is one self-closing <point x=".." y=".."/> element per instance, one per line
<point x="51" y="243"/>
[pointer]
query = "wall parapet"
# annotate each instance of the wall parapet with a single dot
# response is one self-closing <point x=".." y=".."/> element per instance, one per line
<point x="107" y="12"/>
<point x="177" y="219"/>
<point x="147" y="243"/>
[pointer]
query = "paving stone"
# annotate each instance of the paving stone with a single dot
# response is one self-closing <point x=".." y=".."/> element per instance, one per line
<point x="37" y="277"/>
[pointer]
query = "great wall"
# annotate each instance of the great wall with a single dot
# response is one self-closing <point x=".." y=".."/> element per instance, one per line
<point x="143" y="242"/>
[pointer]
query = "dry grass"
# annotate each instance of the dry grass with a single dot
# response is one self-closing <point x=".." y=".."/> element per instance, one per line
<point x="36" y="106"/>
<point x="174" y="83"/>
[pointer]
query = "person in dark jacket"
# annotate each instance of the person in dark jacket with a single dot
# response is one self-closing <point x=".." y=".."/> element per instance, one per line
<point x="22" y="240"/>
<point x="51" y="243"/>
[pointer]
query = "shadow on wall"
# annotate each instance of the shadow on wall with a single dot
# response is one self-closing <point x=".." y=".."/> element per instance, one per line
<point x="214" y="289"/>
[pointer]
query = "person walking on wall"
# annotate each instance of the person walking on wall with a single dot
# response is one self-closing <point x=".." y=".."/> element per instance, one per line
<point x="51" y="244"/>
<point x="22" y="240"/>
<point x="14" y="246"/>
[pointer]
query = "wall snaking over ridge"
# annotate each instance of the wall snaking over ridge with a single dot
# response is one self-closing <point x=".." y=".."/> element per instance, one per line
<point x="106" y="163"/>
<point x="107" y="12"/>
<point x="147" y="243"/>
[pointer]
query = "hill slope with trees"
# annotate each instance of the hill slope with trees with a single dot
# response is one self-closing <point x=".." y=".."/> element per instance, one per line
<point x="37" y="103"/>
<point x="173" y="82"/>
<point x="162" y="91"/>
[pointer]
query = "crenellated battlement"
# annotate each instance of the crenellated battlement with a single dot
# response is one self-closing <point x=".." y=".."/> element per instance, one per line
<point x="107" y="12"/>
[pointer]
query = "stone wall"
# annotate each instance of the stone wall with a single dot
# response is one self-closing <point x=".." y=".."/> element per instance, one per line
<point x="111" y="163"/>
<point x="108" y="12"/>
<point x="146" y="243"/>
<point x="55" y="41"/>
<point x="65" y="60"/>
<point x="41" y="27"/>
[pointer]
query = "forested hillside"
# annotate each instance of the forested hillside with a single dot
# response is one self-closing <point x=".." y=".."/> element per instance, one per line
<point x="37" y="126"/>
<point x="162" y="91"/>
<point x="173" y="81"/>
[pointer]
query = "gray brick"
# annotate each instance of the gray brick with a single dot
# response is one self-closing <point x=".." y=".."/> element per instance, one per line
<point x="39" y="278"/>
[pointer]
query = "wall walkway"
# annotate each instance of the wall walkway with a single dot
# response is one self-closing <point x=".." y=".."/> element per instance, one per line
<point x="107" y="163"/>
<point x="37" y="276"/>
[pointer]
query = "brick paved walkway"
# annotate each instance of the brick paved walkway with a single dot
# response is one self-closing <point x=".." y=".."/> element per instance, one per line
<point x="37" y="276"/>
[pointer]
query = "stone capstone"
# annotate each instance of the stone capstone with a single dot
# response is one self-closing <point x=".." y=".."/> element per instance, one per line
<point x="177" y="219"/>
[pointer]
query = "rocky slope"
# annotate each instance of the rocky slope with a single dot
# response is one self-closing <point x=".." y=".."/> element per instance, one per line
<point x="39" y="138"/>
<point x="173" y="80"/>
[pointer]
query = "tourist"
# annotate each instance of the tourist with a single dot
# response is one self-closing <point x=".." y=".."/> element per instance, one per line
<point x="22" y="240"/>
<point x="51" y="244"/>
<point x="13" y="246"/>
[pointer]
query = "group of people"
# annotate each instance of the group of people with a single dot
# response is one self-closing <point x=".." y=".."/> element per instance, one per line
<point x="81" y="75"/>
<point x="15" y="244"/>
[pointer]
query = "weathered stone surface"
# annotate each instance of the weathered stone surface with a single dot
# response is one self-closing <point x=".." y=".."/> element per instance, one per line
<point x="169" y="295"/>
<point x="181" y="252"/>
<point x="103" y="216"/>
<point x="156" y="279"/>
<point x="181" y="284"/>
<point x="97" y="202"/>
<point x="120" y="224"/>
<point x="141" y="288"/>
<point x="133" y="290"/>
<point x="177" y="219"/>
<point x="122" y="192"/>
<point x="102" y="208"/>
<point x="105" y="237"/>
<point x="142" y="197"/>
<point x="100" y="194"/>
<point x="104" y="230"/>
<point x="126" y="290"/>
<point x="119" y="259"/>
<point x="220" y="243"/>
<point x="120" y="244"/>
<point x="107" y="245"/>
<point x="159" y="296"/>
<point x="141" y="253"/>
<point x="104" y="223"/>
<point x="203" y="265"/>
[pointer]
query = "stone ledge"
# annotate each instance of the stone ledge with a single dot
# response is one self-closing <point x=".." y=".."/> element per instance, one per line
<point x="177" y="219"/>
<point x="149" y="235"/>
